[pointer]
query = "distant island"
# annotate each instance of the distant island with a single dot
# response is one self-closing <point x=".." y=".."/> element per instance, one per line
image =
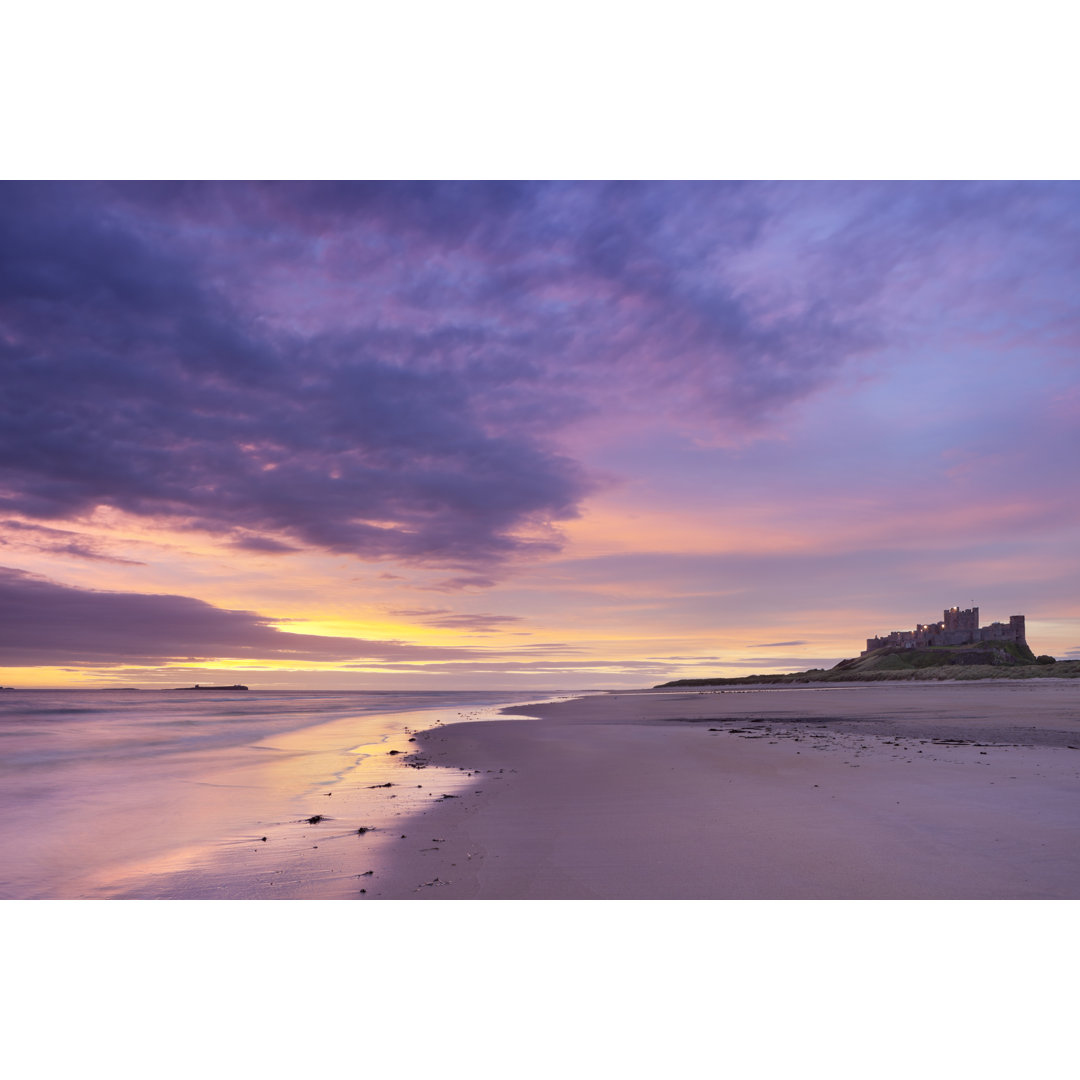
<point x="235" y="686"/>
<point x="954" y="648"/>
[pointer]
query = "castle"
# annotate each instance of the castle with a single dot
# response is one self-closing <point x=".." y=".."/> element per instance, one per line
<point x="956" y="628"/>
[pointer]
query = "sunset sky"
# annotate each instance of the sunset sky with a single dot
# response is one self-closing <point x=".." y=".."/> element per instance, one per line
<point x="552" y="435"/>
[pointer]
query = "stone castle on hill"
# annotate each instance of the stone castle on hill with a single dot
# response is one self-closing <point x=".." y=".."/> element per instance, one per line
<point x="956" y="628"/>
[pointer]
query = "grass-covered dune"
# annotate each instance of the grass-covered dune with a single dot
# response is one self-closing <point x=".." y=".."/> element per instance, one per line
<point x="984" y="660"/>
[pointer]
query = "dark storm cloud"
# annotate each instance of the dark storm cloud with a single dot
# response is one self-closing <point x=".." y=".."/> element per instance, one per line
<point x="47" y="623"/>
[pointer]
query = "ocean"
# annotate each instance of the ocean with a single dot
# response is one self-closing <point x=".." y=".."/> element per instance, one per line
<point x="210" y="794"/>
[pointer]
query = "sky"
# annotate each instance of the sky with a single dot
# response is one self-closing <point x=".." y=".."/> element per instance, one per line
<point x="528" y="435"/>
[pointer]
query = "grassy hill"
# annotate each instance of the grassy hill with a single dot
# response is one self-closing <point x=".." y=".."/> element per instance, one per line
<point x="984" y="660"/>
<point x="896" y="658"/>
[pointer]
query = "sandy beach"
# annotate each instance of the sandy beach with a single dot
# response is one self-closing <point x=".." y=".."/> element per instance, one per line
<point x="881" y="791"/>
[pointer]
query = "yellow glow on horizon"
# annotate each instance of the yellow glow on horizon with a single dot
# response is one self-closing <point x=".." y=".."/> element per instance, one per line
<point x="32" y="678"/>
<point x="374" y="629"/>
<point x="612" y="618"/>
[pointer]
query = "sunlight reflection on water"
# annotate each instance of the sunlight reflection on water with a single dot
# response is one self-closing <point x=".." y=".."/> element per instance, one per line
<point x="170" y="793"/>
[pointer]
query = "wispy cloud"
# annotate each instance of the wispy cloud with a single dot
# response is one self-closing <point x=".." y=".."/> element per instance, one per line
<point x="48" y="623"/>
<point x="450" y="620"/>
<point x="60" y="542"/>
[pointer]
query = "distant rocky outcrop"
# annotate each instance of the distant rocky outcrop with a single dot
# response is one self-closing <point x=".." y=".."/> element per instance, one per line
<point x="197" y="686"/>
<point x="979" y="660"/>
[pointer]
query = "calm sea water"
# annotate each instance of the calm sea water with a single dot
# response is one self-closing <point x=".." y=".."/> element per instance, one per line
<point x="185" y="794"/>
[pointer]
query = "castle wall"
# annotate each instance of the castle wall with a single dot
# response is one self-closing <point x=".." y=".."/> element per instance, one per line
<point x="957" y="627"/>
<point x="1013" y="630"/>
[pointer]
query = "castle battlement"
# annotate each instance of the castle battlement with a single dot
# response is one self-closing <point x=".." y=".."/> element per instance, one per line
<point x="957" y="627"/>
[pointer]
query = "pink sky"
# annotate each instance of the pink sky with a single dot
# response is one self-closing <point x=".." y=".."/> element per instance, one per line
<point x="528" y="435"/>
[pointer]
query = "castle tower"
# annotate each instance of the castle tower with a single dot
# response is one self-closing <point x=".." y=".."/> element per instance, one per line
<point x="962" y="622"/>
<point x="1016" y="624"/>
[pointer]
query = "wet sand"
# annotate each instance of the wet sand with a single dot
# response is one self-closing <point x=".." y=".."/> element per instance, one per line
<point x="281" y="796"/>
<point x="879" y="791"/>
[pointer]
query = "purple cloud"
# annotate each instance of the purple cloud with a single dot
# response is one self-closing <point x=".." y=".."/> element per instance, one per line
<point x="383" y="369"/>
<point x="47" y="623"/>
<point x="446" y="619"/>
<point x="460" y="584"/>
<point x="132" y="379"/>
<point x="265" y="545"/>
<point x="60" y="542"/>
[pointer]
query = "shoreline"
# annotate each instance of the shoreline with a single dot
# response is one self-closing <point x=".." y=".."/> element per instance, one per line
<point x="328" y="838"/>
<point x="294" y="798"/>
<point x="897" y="791"/>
